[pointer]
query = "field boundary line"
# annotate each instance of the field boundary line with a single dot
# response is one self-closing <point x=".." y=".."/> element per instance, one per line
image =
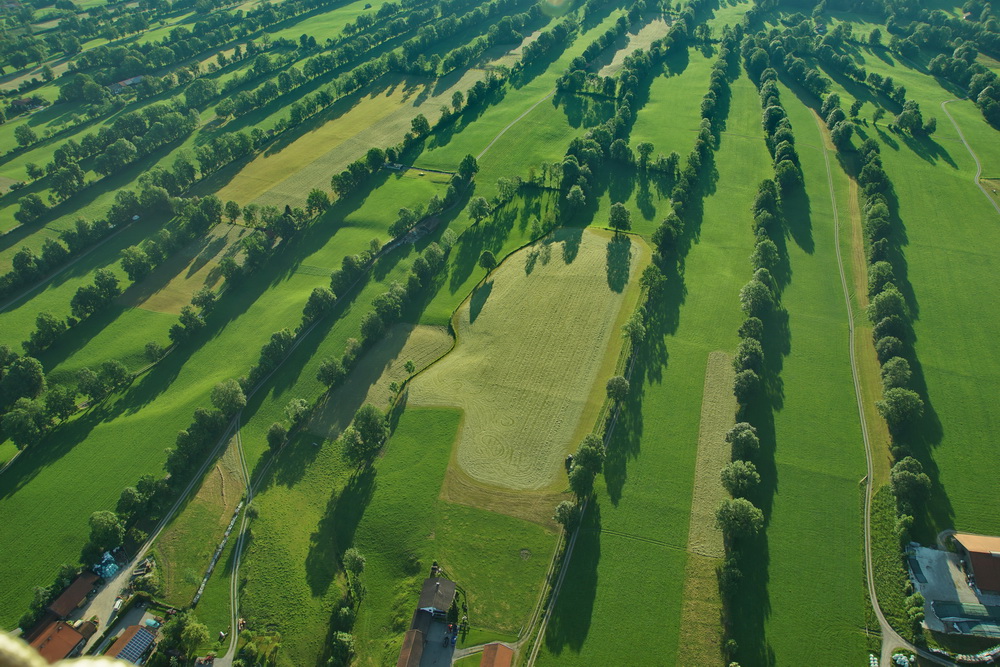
<point x="979" y="166"/>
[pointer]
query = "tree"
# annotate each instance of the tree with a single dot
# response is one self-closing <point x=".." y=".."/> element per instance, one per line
<point x="31" y="208"/>
<point x="620" y="218"/>
<point x="841" y="134"/>
<point x="106" y="530"/>
<point x="634" y="329"/>
<point x="200" y="92"/>
<point x="645" y="149"/>
<point x="48" y="328"/>
<point x="590" y="454"/>
<point x="353" y="561"/>
<point x="276" y="436"/>
<point x="749" y="355"/>
<point x="756" y="299"/>
<point x="617" y="388"/>
<point x="488" y="261"/>
<point x="317" y="201"/>
<point x="232" y="211"/>
<point x="479" y="208"/>
<point x="575" y="198"/>
<point x="204" y="300"/>
<point x="567" y="514"/>
<point x="23" y="378"/>
<point x="372" y="426"/>
<point x="320" y="301"/>
<point x="228" y="397"/>
<point x="738" y="518"/>
<point x="136" y="263"/>
<point x="468" y="167"/>
<point x="154" y="351"/>
<point x="739" y="477"/>
<point x="24" y="135"/>
<point x="297" y="410"/>
<point x="899" y="405"/>
<point x="25" y="423"/>
<point x="60" y="403"/>
<point x="420" y="126"/>
<point x="895" y="373"/>
<point x="34" y="171"/>
<point x="192" y="636"/>
<point x="581" y="482"/>
<point x="330" y="372"/>
<point x="113" y="374"/>
<point x="743" y="440"/>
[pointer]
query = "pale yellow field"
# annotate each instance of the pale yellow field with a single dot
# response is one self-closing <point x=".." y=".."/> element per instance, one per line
<point x="648" y="34"/>
<point x="381" y="366"/>
<point x="531" y="361"/>
<point x="184" y="549"/>
<point x="378" y="119"/>
<point x="172" y="284"/>
<point x="701" y="634"/>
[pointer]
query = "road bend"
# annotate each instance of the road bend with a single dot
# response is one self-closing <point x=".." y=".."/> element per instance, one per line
<point x="979" y="166"/>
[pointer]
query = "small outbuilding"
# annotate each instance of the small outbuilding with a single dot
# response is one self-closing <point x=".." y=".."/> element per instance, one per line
<point x="74" y="595"/>
<point x="497" y="655"/>
<point x="981" y="556"/>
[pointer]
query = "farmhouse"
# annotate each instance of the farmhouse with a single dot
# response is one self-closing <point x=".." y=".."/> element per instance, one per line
<point x="57" y="641"/>
<point x="981" y="558"/>
<point x="436" y="597"/>
<point x="133" y="644"/>
<point x="497" y="655"/>
<point x="73" y="596"/>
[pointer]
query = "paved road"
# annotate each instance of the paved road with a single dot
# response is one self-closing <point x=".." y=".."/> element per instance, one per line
<point x="979" y="167"/>
<point x="890" y="638"/>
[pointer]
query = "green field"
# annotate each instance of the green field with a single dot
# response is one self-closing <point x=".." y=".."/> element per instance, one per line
<point x="510" y="365"/>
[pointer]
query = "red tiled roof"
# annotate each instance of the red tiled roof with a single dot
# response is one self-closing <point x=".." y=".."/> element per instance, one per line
<point x="73" y="595"/>
<point x="56" y="641"/>
<point x="496" y="655"/>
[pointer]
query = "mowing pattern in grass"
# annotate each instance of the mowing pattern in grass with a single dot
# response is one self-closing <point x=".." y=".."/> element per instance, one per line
<point x="531" y="342"/>
<point x="380" y="367"/>
<point x="185" y="547"/>
<point x="701" y="634"/>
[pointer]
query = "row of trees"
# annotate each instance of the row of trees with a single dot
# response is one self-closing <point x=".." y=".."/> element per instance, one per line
<point x="900" y="405"/>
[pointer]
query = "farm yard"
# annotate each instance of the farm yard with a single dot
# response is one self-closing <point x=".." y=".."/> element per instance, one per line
<point x="585" y="307"/>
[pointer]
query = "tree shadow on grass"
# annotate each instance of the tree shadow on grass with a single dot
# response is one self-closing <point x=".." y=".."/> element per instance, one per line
<point x="478" y="299"/>
<point x="334" y="533"/>
<point x="569" y="624"/>
<point x="619" y="260"/>
<point x="796" y="210"/>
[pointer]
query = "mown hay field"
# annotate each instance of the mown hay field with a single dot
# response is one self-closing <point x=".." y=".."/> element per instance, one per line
<point x="185" y="547"/>
<point x="532" y="355"/>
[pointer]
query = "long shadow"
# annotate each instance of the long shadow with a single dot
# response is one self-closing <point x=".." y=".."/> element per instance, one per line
<point x="478" y="300"/>
<point x="796" y="210"/>
<point x="572" y="615"/>
<point x="335" y="532"/>
<point x="619" y="257"/>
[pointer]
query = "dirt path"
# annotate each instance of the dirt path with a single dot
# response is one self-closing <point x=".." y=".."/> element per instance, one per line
<point x="979" y="167"/>
<point x="513" y="123"/>
<point x="890" y="638"/>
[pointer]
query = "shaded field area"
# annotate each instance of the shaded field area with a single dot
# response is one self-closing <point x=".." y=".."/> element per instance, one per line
<point x="533" y="340"/>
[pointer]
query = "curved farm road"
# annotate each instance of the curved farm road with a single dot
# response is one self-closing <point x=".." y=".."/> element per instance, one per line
<point x="891" y="639"/>
<point x="979" y="167"/>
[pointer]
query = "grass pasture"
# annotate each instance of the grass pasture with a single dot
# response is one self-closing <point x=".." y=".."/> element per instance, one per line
<point x="534" y="343"/>
<point x="498" y="560"/>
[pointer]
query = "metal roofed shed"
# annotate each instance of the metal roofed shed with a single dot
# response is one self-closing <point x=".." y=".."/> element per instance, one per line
<point x="981" y="555"/>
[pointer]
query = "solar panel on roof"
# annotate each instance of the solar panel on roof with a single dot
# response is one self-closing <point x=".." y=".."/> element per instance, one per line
<point x="136" y="646"/>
